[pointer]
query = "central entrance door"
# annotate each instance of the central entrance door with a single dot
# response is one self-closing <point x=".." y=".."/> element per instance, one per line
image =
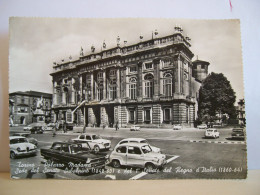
<point x="96" y="111"/>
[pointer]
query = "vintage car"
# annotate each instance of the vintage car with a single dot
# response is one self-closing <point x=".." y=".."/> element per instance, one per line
<point x="49" y="127"/>
<point x="212" y="133"/>
<point x="202" y="126"/>
<point x="135" y="128"/>
<point x="95" y="142"/>
<point x="29" y="127"/>
<point x="19" y="146"/>
<point x="137" y="155"/>
<point x="28" y="136"/>
<point x="37" y="129"/>
<point x="238" y="133"/>
<point x="177" y="127"/>
<point x="138" y="140"/>
<point x="67" y="154"/>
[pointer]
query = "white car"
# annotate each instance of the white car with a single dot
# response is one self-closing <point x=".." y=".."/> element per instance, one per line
<point x="177" y="127"/>
<point x="134" y="128"/>
<point x="30" y="126"/>
<point x="213" y="133"/>
<point x="202" y="126"/>
<point x="136" y="155"/>
<point x="95" y="142"/>
<point x="19" y="146"/>
<point x="138" y="140"/>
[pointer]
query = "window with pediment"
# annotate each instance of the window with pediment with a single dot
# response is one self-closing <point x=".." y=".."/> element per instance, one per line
<point x="132" y="88"/>
<point x="167" y="84"/>
<point x="148" y="85"/>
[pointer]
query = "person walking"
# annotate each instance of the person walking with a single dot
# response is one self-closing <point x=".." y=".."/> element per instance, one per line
<point x="117" y="126"/>
<point x="65" y="127"/>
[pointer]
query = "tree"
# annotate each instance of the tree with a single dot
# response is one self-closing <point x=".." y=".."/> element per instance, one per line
<point x="216" y="96"/>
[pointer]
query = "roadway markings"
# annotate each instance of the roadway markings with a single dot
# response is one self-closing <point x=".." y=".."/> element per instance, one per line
<point x="218" y="142"/>
<point x="138" y="176"/>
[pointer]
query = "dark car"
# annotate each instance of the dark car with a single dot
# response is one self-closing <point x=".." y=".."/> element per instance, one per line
<point x="72" y="155"/>
<point x="37" y="129"/>
<point x="238" y="133"/>
<point x="28" y="136"/>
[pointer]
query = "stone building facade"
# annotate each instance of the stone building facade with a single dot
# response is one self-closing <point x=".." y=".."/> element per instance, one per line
<point x="23" y="104"/>
<point x="151" y="83"/>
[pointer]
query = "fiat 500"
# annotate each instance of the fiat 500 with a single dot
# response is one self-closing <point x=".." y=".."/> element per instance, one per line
<point x="136" y="155"/>
<point x="19" y="146"/>
<point x="138" y="140"/>
<point x="213" y="133"/>
<point x="95" y="142"/>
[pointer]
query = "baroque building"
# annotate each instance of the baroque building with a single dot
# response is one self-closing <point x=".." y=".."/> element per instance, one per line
<point x="23" y="104"/>
<point x="152" y="83"/>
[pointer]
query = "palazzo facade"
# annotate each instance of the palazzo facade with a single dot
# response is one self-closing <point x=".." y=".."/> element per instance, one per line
<point x="151" y="83"/>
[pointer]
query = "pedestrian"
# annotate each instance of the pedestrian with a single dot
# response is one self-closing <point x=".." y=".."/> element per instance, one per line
<point x="84" y="128"/>
<point x="117" y="126"/>
<point x="55" y="128"/>
<point x="65" y="127"/>
<point x="104" y="126"/>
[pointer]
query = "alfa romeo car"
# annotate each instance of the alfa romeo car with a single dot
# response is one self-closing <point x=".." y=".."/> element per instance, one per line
<point x="95" y="142"/>
<point x="137" y="155"/>
<point x="28" y="136"/>
<point x="19" y="146"/>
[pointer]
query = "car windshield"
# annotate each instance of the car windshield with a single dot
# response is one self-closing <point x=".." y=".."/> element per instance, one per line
<point x="146" y="149"/>
<point x="96" y="137"/>
<point x="75" y="148"/>
<point x="144" y="141"/>
<point x="209" y="130"/>
<point x="18" y="140"/>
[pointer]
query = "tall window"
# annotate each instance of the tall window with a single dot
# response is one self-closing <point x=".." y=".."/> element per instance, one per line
<point x="112" y="89"/>
<point x="148" y="65"/>
<point x="167" y="84"/>
<point x="100" y="92"/>
<point x="131" y="116"/>
<point x="132" y="69"/>
<point x="167" y="114"/>
<point x="132" y="88"/>
<point x="148" y="85"/>
<point x="147" y="115"/>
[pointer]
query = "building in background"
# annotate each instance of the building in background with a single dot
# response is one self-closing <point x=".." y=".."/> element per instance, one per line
<point x="152" y="83"/>
<point x="23" y="104"/>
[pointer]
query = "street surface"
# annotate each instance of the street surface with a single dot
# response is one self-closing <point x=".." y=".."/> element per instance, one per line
<point x="188" y="154"/>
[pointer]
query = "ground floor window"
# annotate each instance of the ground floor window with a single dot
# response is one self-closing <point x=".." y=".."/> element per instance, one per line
<point x="131" y="116"/>
<point x="167" y="115"/>
<point x="147" y="115"/>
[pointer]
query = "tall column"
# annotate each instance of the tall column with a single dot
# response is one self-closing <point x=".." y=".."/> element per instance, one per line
<point x="72" y="91"/>
<point x="92" y="85"/>
<point x="104" y="85"/>
<point x="118" y="83"/>
<point x="156" y="78"/>
<point x="54" y="98"/>
<point x="80" y="87"/>
<point x="179" y="75"/>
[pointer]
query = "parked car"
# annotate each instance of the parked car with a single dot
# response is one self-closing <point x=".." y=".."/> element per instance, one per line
<point x="28" y="136"/>
<point x="19" y="146"/>
<point x="49" y="127"/>
<point x="213" y="133"/>
<point x="29" y="127"/>
<point x="136" y="155"/>
<point x="37" y="129"/>
<point x="135" y="128"/>
<point x="95" y="142"/>
<point x="138" y="140"/>
<point x="177" y="127"/>
<point x="66" y="153"/>
<point x="238" y="133"/>
<point x="202" y="126"/>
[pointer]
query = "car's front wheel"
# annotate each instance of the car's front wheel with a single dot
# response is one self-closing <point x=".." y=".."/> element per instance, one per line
<point x="149" y="167"/>
<point x="96" y="148"/>
<point x="12" y="155"/>
<point x="116" y="163"/>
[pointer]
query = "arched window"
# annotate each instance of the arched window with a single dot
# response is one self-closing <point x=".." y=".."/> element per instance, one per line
<point x="167" y="84"/>
<point x="132" y="88"/>
<point x="148" y="85"/>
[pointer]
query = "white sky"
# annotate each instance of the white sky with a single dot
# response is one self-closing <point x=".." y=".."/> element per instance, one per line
<point x="35" y="43"/>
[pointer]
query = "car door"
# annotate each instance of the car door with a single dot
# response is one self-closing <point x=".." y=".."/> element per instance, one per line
<point x="90" y="141"/>
<point x="121" y="154"/>
<point x="135" y="157"/>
